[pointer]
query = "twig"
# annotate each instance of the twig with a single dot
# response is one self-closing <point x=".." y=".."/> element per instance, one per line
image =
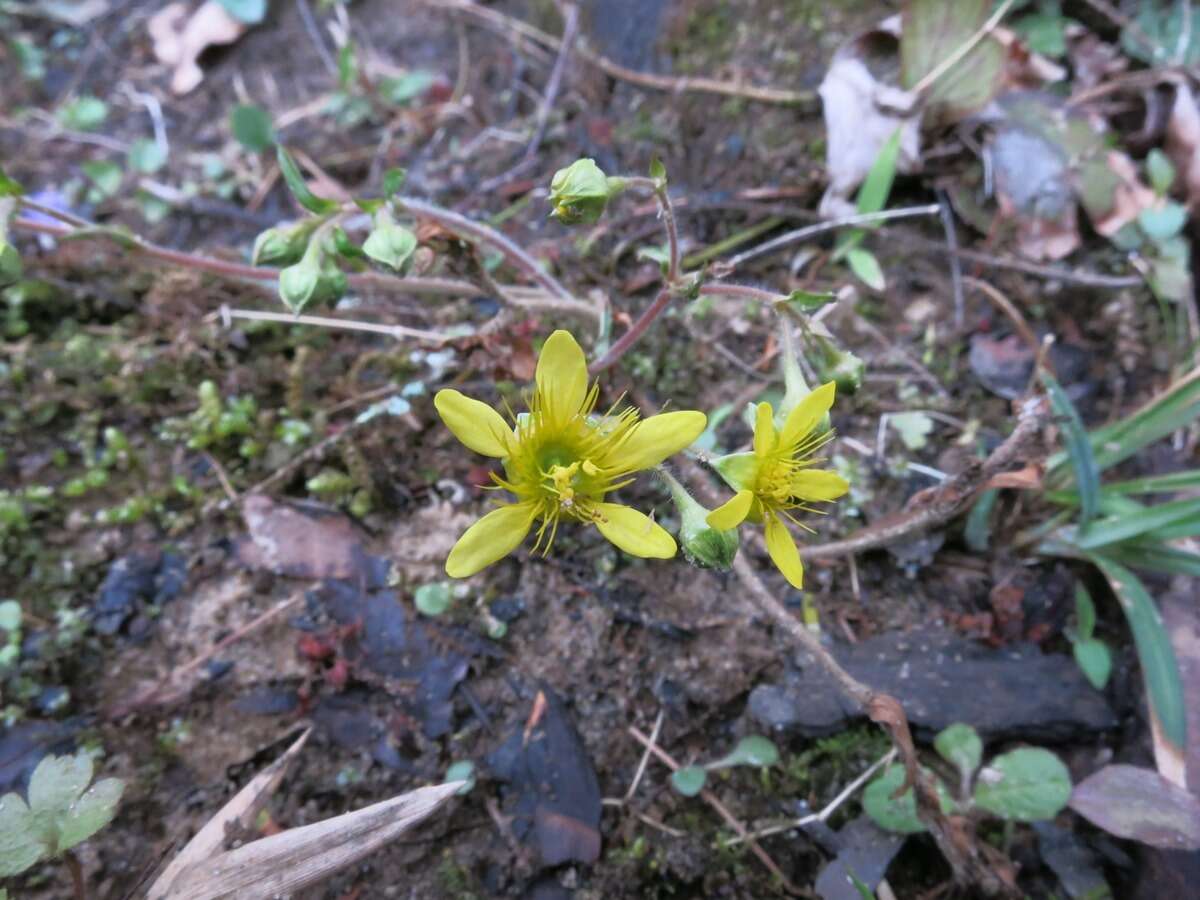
<point x="801" y="234"/>
<point x="570" y="25"/>
<point x="230" y="494"/>
<point x="226" y="315"/>
<point x="314" y="34"/>
<point x="829" y="809"/>
<point x="954" y="58"/>
<point x="1010" y="311"/>
<point x="641" y="769"/>
<point x="636" y="330"/>
<point x="805" y="99"/>
<point x="940" y="504"/>
<point x="722" y="811"/>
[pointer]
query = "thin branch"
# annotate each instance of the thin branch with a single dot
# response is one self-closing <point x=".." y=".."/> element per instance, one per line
<point x="226" y="315"/>
<point x="802" y="234"/>
<point x="636" y="330"/>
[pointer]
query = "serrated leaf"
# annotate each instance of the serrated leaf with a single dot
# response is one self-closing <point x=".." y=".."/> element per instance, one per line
<point x="91" y="812"/>
<point x="1156" y="654"/>
<point x="899" y="814"/>
<point x="58" y="781"/>
<point x="864" y="264"/>
<point x="1095" y="661"/>
<point x="251" y="126"/>
<point x="1026" y="785"/>
<point x="147" y="156"/>
<point x="1164" y="222"/>
<point x="913" y="427"/>
<point x="248" y="12"/>
<point x="1079" y="449"/>
<point x="959" y="745"/>
<point x="689" y="781"/>
<point x="21" y="844"/>
<point x="298" y="187"/>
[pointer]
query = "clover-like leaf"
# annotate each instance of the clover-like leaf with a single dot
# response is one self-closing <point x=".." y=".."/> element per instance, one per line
<point x="960" y="744"/>
<point x="689" y="780"/>
<point x="58" y="781"/>
<point x="753" y="750"/>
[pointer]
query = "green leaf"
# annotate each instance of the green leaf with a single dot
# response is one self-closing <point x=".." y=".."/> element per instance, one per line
<point x="1079" y="450"/>
<point x="1156" y="484"/>
<point x="84" y="113"/>
<point x="58" y="781"/>
<point x="658" y="171"/>
<point x="978" y="530"/>
<point x="1085" y="613"/>
<point x="344" y="246"/>
<point x="9" y="187"/>
<point x="22" y="842"/>
<point x="1094" y="660"/>
<point x="864" y="890"/>
<point x="251" y="126"/>
<point x="960" y="745"/>
<point x="873" y="195"/>
<point x="1044" y="31"/>
<point x="864" y="264"/>
<point x="689" y="781"/>
<point x="406" y="87"/>
<point x="147" y="156"/>
<point x="1163" y="222"/>
<point x="899" y="814"/>
<point x="1178" y="518"/>
<point x="1156" y="655"/>
<point x="300" y="190"/>
<point x="750" y="751"/>
<point x="433" y="599"/>
<point x="105" y="176"/>
<point x="1163" y="33"/>
<point x="1160" y="171"/>
<point x="931" y="31"/>
<point x="1027" y="785"/>
<point x="91" y="812"/>
<point x="393" y="180"/>
<point x="347" y="66"/>
<point x="913" y="427"/>
<point x="1156" y="557"/>
<point x="10" y="615"/>
<point x="809" y="301"/>
<point x="248" y="12"/>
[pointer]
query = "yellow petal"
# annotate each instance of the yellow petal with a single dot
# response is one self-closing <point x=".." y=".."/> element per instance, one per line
<point x="654" y="439"/>
<point x="782" y="547"/>
<point x="634" y="532"/>
<point x="562" y="377"/>
<point x="807" y="414"/>
<point x="818" y="484"/>
<point x="493" y="537"/>
<point x="732" y="512"/>
<point x="765" y="436"/>
<point x="476" y="424"/>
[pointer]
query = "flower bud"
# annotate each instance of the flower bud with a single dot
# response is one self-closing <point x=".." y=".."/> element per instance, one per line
<point x="841" y="366"/>
<point x="580" y="192"/>
<point x="299" y="284"/>
<point x="281" y="246"/>
<point x="389" y="243"/>
<point x="702" y="544"/>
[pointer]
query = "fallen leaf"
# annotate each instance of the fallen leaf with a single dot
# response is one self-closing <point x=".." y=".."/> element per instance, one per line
<point x="1141" y="805"/>
<point x="1183" y="142"/>
<point x="1113" y="194"/>
<point x="180" y="38"/>
<point x="304" y="542"/>
<point x="932" y="31"/>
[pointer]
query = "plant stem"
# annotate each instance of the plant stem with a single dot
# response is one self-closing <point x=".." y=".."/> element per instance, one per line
<point x="636" y="330"/>
<point x="76" y="871"/>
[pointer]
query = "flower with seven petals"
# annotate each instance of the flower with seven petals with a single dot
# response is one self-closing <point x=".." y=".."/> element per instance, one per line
<point x="561" y="461"/>
<point x="780" y="476"/>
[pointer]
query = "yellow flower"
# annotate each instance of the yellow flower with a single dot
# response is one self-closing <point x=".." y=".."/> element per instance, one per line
<point x="561" y="461"/>
<point x="780" y="476"/>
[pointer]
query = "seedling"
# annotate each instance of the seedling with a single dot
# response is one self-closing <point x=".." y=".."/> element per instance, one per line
<point x="62" y="812"/>
<point x="750" y="751"/>
<point x="1029" y="784"/>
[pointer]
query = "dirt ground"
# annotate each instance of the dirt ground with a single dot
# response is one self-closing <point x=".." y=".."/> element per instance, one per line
<point x="147" y="566"/>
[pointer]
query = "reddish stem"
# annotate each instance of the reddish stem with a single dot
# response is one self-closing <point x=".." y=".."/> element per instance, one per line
<point x="76" y="871"/>
<point x="630" y="337"/>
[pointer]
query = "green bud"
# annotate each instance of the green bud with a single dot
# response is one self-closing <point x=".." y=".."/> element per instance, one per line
<point x="580" y="192"/>
<point x="389" y="243"/>
<point x="299" y="284"/>
<point x="281" y="246"/>
<point x="702" y="544"/>
<point x="832" y="363"/>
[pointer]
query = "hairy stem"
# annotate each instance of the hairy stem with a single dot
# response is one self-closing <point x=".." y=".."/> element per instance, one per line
<point x="636" y="330"/>
<point x="76" y="870"/>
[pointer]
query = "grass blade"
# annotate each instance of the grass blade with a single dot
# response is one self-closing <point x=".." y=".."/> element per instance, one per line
<point x="1156" y="557"/>
<point x="1179" y="518"/>
<point x="1079" y="450"/>
<point x="1160" y="670"/>
<point x="1157" y="484"/>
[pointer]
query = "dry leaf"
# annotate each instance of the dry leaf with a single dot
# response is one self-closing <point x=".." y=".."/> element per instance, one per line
<point x="283" y="863"/>
<point x="1183" y="142"/>
<point x="302" y="541"/>
<point x="180" y="38"/>
<point x="237" y="815"/>
<point x="1129" y="196"/>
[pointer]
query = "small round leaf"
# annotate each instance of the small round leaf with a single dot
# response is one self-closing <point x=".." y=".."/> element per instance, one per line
<point x="1026" y="785"/>
<point x="689" y="780"/>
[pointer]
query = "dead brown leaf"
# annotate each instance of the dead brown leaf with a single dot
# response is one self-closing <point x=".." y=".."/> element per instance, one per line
<point x="180" y="37"/>
<point x="300" y="541"/>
